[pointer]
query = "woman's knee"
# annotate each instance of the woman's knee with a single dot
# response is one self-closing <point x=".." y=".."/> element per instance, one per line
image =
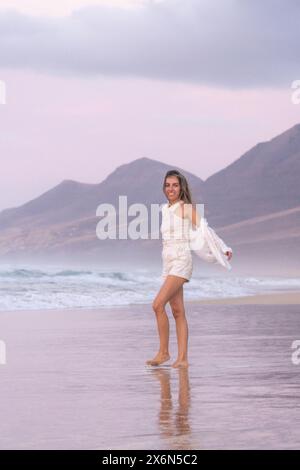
<point x="178" y="311"/>
<point x="158" y="306"/>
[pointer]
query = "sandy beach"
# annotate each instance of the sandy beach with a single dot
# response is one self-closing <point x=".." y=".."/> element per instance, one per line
<point x="278" y="298"/>
<point x="77" y="379"/>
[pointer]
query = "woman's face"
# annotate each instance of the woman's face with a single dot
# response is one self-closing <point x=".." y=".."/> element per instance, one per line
<point x="172" y="188"/>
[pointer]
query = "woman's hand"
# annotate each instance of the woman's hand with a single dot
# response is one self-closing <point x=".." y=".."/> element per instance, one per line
<point x="228" y="254"/>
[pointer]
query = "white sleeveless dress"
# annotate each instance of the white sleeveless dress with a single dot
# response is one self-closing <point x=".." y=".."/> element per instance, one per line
<point x="176" y="252"/>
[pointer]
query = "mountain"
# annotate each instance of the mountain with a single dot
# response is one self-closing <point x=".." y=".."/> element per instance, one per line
<point x="140" y="180"/>
<point x="53" y="205"/>
<point x="62" y="221"/>
<point x="254" y="204"/>
<point x="267" y="244"/>
<point x="263" y="180"/>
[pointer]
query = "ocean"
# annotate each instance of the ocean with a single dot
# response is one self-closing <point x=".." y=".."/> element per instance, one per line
<point x="28" y="288"/>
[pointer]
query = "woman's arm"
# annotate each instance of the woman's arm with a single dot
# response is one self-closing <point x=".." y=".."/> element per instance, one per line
<point x="190" y="212"/>
<point x="195" y="217"/>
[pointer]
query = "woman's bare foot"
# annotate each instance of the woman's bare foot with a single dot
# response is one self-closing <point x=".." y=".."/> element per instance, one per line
<point x="158" y="359"/>
<point x="180" y="363"/>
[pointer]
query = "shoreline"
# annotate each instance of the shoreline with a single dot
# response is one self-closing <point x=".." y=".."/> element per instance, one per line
<point x="272" y="298"/>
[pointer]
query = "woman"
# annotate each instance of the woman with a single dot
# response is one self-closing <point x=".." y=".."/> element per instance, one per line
<point x="178" y="216"/>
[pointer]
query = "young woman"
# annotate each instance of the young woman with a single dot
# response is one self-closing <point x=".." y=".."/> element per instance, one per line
<point x="178" y="216"/>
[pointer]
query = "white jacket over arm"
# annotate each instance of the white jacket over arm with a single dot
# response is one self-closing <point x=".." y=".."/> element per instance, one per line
<point x="208" y="245"/>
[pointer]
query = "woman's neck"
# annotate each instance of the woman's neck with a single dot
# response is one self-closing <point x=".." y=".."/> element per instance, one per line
<point x="172" y="203"/>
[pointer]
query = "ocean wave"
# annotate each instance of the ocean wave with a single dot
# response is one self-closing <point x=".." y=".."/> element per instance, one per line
<point x="58" y="288"/>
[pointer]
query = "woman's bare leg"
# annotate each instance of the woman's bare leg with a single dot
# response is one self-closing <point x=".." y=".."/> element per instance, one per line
<point x="177" y="306"/>
<point x="166" y="292"/>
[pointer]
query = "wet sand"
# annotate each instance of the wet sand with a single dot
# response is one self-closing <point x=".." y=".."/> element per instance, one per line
<point x="77" y="379"/>
<point x="278" y="298"/>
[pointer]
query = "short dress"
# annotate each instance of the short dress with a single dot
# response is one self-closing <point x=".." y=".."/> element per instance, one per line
<point x="176" y="252"/>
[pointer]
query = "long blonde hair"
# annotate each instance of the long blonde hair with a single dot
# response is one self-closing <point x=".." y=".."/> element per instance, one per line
<point x="185" y="192"/>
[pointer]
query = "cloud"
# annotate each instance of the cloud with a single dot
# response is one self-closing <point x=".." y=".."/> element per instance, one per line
<point x="233" y="43"/>
<point x="62" y="7"/>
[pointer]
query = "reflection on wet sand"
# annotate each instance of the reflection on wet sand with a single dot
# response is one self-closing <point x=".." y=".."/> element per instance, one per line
<point x="173" y="417"/>
<point x="78" y="378"/>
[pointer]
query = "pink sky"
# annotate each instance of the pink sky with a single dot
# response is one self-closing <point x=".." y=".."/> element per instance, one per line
<point x="62" y="7"/>
<point x="56" y="127"/>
